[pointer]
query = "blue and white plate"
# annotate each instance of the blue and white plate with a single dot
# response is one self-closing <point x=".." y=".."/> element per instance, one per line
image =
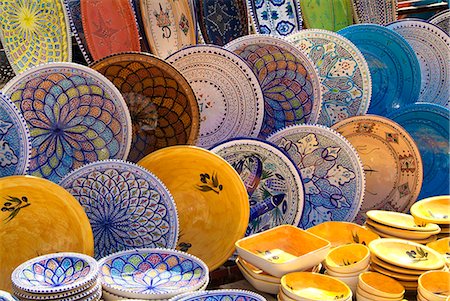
<point x="220" y="295"/>
<point x="442" y="20"/>
<point x="393" y="65"/>
<point x="15" y="142"/>
<point x="5" y="296"/>
<point x="429" y="126"/>
<point x="128" y="207"/>
<point x="331" y="170"/>
<point x="273" y="182"/>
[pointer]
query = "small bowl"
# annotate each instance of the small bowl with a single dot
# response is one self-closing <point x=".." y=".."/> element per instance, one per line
<point x="348" y="259"/>
<point x="260" y="285"/>
<point x="362" y="293"/>
<point x="442" y="246"/>
<point x="351" y="281"/>
<point x="400" y="221"/>
<point x="432" y="210"/>
<point x="381" y="285"/>
<point x="356" y="274"/>
<point x="434" y="285"/>
<point x="283" y="249"/>
<point x="226" y="294"/>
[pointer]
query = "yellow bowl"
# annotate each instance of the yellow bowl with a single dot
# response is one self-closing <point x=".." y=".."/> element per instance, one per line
<point x="435" y="285"/>
<point x="402" y="233"/>
<point x="395" y="275"/>
<point x="442" y="246"/>
<point x="432" y="210"/>
<point x="367" y="295"/>
<point x="400" y="220"/>
<point x="348" y="258"/>
<point x="381" y="285"/>
<point x="351" y="281"/>
<point x="256" y="272"/>
<point x="385" y="235"/>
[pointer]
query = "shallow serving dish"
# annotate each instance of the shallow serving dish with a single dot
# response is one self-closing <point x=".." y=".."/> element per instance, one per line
<point x="385" y="235"/>
<point x="402" y="233"/>
<point x="381" y="285"/>
<point x="442" y="246"/>
<point x="362" y="293"/>
<point x="434" y="285"/>
<point x="260" y="285"/>
<point x="432" y="210"/>
<point x="347" y="259"/>
<point x="400" y="220"/>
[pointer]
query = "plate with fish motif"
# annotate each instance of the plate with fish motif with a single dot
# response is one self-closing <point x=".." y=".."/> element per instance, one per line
<point x="376" y="12"/>
<point x="230" y="99"/>
<point x="288" y="79"/>
<point x="345" y="75"/>
<point x="75" y="116"/>
<point x="34" y="33"/>
<point x="273" y="182"/>
<point x="393" y="65"/>
<point x="331" y="171"/>
<point x="442" y="20"/>
<point x="73" y="8"/>
<point x="329" y="14"/>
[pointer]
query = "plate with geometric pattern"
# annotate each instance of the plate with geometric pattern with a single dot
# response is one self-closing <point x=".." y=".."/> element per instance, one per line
<point x="375" y="12"/>
<point x="442" y="20"/>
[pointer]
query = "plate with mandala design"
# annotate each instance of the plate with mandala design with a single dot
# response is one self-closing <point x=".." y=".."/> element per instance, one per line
<point x="376" y="12"/>
<point x="442" y="20"/>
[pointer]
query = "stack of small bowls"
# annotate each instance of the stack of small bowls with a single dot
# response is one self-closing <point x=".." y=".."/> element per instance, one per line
<point x="434" y="286"/>
<point x="374" y="286"/>
<point x="434" y="210"/>
<point x="59" y="276"/>
<point x="151" y="274"/>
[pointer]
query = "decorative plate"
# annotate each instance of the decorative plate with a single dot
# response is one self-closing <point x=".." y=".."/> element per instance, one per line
<point x="288" y="79"/>
<point x="212" y="202"/>
<point x="34" y="32"/>
<point x="6" y="71"/>
<point x="15" y="146"/>
<point x="391" y="159"/>
<point x="442" y="20"/>
<point x="136" y="4"/>
<point x="379" y="12"/>
<point x="400" y="221"/>
<point x="38" y="217"/>
<point x="169" y="25"/>
<point x="73" y="8"/>
<point x="75" y="116"/>
<point x="220" y="295"/>
<point x="433" y="210"/>
<point x="401" y="233"/>
<point x="394" y="268"/>
<point x="222" y="21"/>
<point x="429" y="126"/>
<point x="343" y="70"/>
<point x="327" y="14"/>
<point x="128" y="207"/>
<point x="109" y="27"/>
<point x="278" y="18"/>
<point x="273" y="182"/>
<point x="162" y="105"/>
<point x="152" y="273"/>
<point x="5" y="296"/>
<point x="331" y="171"/>
<point x="229" y="96"/>
<point x="393" y="65"/>
<point x="75" y="294"/>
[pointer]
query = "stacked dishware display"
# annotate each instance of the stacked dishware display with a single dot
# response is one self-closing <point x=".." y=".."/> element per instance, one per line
<point x="434" y="210"/>
<point x="375" y="286"/>
<point x="58" y="276"/>
<point x="434" y="286"/>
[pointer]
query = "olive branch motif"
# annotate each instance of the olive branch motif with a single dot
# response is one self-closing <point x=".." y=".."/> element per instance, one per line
<point x="210" y="183"/>
<point x="268" y="253"/>
<point x="13" y="205"/>
<point x="418" y="255"/>
<point x="356" y="239"/>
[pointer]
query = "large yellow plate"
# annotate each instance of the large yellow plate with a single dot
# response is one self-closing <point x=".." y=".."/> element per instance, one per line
<point x="38" y="217"/>
<point x="401" y="233"/>
<point x="400" y="221"/>
<point x="432" y="210"/>
<point x="212" y="202"/>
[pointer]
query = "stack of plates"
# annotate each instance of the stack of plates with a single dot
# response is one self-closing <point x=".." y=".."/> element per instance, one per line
<point x="67" y="276"/>
<point x="434" y="210"/>
<point x="376" y="286"/>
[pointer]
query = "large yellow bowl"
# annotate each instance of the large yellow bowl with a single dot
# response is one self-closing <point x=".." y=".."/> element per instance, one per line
<point x="38" y="217"/>
<point x="348" y="258"/>
<point x="435" y="285"/>
<point x="400" y="221"/>
<point x="432" y="210"/>
<point x="381" y="285"/>
<point x="402" y="233"/>
<point x="211" y="199"/>
<point x="442" y="246"/>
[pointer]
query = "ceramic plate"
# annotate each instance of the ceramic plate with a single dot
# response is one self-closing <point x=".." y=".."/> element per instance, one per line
<point x="442" y="246"/>
<point x="273" y="182"/>
<point x="75" y="116"/>
<point x="212" y="202"/>
<point x="5" y="296"/>
<point x="400" y="221"/>
<point x="168" y="24"/>
<point x="433" y="210"/>
<point x="395" y="268"/>
<point x="343" y="70"/>
<point x="331" y="170"/>
<point x="325" y="14"/>
<point x="288" y="79"/>
<point x="134" y="211"/>
<point x="162" y="105"/>
<point x="34" y="32"/>
<point x="442" y="20"/>
<point x="6" y="71"/>
<point x="393" y="65"/>
<point x="405" y="277"/>
<point x="378" y="12"/>
<point x="38" y="217"/>
<point x="401" y="233"/>
<point x="230" y="98"/>
<point x="220" y="295"/>
<point x="74" y="294"/>
<point x="109" y="27"/>
<point x="136" y="4"/>
<point x="73" y="8"/>
<point x="15" y="146"/>
<point x="432" y="47"/>
<point x="429" y="126"/>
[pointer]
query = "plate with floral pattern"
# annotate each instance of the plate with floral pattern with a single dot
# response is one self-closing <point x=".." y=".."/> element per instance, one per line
<point x="273" y="182"/>
<point x="345" y="75"/>
<point x="75" y="116"/>
<point x="376" y="12"/>
<point x="128" y="207"/>
<point x="331" y="170"/>
<point x="442" y="20"/>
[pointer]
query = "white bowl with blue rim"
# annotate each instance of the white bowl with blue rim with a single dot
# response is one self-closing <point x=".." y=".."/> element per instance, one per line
<point x="86" y="292"/>
<point x="220" y="295"/>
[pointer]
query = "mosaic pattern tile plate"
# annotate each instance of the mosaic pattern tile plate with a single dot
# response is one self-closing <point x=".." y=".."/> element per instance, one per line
<point x="221" y="295"/>
<point x="73" y="8"/>
<point x="393" y="65"/>
<point x="75" y="116"/>
<point x="273" y="182"/>
<point x="211" y="199"/>
<point x="331" y="170"/>
<point x="429" y="125"/>
<point x="288" y="79"/>
<point x="379" y="12"/>
<point x="345" y="75"/>
<point x="442" y="20"/>
<point x="278" y="18"/>
<point x="432" y="47"/>
<point x="15" y="146"/>
<point x="168" y="24"/>
<point x="391" y="160"/>
<point x="162" y="104"/>
<point x="6" y="71"/>
<point x="327" y="14"/>
<point x="34" y="32"/>
<point x="128" y="207"/>
<point x="230" y="99"/>
<point x="109" y="27"/>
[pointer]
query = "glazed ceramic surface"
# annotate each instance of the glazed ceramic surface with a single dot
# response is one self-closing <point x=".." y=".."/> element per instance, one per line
<point x="15" y="139"/>
<point x="432" y="47"/>
<point x="391" y="159"/>
<point x="273" y="182"/>
<point x="397" y="269"/>
<point x="442" y="20"/>
<point x="162" y="105"/>
<point x="379" y="12"/>
<point x="442" y="246"/>
<point x="400" y="221"/>
<point x="259" y="285"/>
<point x="393" y="65"/>
<point x="331" y="171"/>
<point x="433" y="210"/>
<point x="230" y="99"/>
<point x="5" y="296"/>
<point x="6" y="71"/>
<point x="435" y="285"/>
<point x="256" y="272"/>
<point x="169" y="25"/>
<point x="127" y="206"/>
<point x="327" y="14"/>
<point x="343" y="70"/>
<point x="34" y="32"/>
<point x="75" y="116"/>
<point x="346" y="259"/>
<point x="221" y="295"/>
<point x="211" y="200"/>
<point x="136" y="4"/>
<point x="83" y="291"/>
<point x="402" y="233"/>
<point x="288" y="79"/>
<point x="392" y="274"/>
<point x="73" y="8"/>
<point x="429" y="125"/>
